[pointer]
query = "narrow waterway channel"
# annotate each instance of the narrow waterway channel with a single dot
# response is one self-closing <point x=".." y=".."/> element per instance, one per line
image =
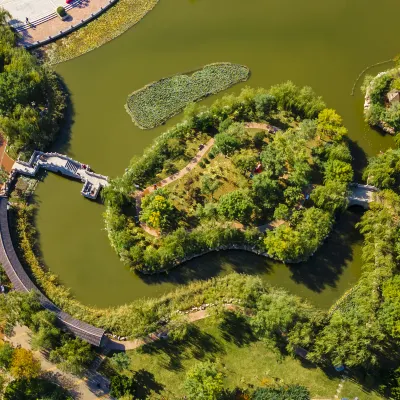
<point x="321" y="44"/>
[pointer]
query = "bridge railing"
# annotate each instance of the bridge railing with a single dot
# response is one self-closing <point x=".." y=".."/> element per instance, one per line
<point x="359" y="185"/>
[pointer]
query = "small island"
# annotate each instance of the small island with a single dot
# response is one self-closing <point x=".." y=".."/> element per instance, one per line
<point x="266" y="171"/>
<point x="382" y="100"/>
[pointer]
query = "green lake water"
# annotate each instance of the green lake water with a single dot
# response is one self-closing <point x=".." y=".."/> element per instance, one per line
<point x="324" y="44"/>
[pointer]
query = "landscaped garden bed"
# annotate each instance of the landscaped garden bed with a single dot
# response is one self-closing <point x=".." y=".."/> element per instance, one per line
<point x="248" y="179"/>
<point x="157" y="102"/>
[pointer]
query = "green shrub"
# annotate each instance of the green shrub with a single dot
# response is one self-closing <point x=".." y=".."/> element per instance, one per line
<point x="290" y="392"/>
<point x="157" y="102"/>
<point x="202" y="164"/>
<point x="61" y="11"/>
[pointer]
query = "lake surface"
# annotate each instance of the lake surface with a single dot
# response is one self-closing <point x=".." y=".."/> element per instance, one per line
<point x="322" y="44"/>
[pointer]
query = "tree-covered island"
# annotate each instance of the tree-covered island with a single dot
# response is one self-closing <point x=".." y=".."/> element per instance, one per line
<point x="267" y="150"/>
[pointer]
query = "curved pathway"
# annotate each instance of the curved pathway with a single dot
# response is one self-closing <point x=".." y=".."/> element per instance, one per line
<point x="262" y="126"/>
<point x="22" y="283"/>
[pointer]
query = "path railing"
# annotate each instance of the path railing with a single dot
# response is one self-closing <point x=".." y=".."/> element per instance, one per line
<point x="57" y="162"/>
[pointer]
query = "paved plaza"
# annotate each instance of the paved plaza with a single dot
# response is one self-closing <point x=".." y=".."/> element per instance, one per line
<point x="31" y="9"/>
<point x="43" y="23"/>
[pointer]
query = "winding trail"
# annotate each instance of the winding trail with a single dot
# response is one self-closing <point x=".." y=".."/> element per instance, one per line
<point x="189" y="167"/>
<point x="263" y="126"/>
<point x="166" y="181"/>
<point x="360" y="195"/>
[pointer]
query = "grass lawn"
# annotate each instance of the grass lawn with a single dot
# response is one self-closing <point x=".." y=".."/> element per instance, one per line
<point x="243" y="359"/>
<point x="352" y="389"/>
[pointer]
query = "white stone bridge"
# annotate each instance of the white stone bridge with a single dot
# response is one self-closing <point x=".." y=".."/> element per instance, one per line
<point x="361" y="195"/>
<point x="92" y="182"/>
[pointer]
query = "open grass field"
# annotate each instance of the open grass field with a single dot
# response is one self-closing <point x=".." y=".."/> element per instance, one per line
<point x="244" y="360"/>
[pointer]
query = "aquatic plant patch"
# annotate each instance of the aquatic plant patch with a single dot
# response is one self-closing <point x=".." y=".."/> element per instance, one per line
<point x="155" y="103"/>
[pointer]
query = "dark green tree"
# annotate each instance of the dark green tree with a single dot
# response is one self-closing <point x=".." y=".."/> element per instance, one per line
<point x="332" y="197"/>
<point x="237" y="205"/>
<point x="73" y="356"/>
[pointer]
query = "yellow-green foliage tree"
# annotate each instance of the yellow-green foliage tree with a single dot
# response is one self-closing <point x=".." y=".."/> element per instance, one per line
<point x="330" y="125"/>
<point x="158" y="211"/>
<point x="24" y="365"/>
<point x="204" y="382"/>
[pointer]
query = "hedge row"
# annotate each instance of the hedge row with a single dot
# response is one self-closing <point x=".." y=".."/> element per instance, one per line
<point x="155" y="103"/>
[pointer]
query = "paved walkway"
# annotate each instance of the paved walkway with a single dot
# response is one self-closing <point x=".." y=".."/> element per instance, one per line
<point x="89" y="387"/>
<point x="5" y="160"/>
<point x="264" y="127"/>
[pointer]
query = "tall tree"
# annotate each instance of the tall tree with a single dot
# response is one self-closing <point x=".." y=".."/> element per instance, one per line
<point x="204" y="382"/>
<point x="24" y="365"/>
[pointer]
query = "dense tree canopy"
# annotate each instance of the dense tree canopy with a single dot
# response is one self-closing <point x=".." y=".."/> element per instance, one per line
<point x="250" y="176"/>
<point x="31" y="101"/>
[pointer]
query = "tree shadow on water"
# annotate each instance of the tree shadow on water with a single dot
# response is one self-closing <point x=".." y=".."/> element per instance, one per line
<point x="328" y="263"/>
<point x="196" y="344"/>
<point x="62" y="144"/>
<point x="360" y="160"/>
<point x="236" y="329"/>
<point x="209" y="266"/>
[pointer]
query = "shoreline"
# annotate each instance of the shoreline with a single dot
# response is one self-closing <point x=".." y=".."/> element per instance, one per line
<point x="99" y="31"/>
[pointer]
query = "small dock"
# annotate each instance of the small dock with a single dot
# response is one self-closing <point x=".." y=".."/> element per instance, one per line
<point x="59" y="163"/>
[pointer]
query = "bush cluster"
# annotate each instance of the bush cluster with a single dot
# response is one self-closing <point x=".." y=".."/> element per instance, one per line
<point x="152" y="105"/>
